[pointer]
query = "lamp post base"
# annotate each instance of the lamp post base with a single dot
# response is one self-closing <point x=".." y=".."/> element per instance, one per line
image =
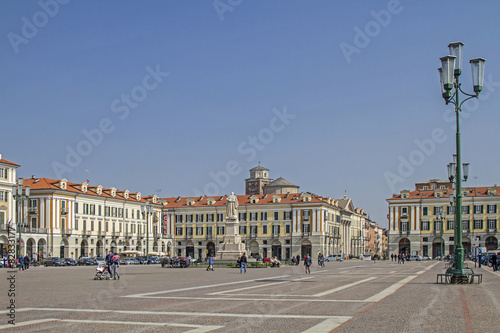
<point x="460" y="276"/>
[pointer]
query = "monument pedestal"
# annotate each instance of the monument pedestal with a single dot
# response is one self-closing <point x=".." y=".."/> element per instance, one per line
<point x="231" y="248"/>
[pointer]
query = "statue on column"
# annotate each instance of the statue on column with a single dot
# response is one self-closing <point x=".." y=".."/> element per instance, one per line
<point x="232" y="207"/>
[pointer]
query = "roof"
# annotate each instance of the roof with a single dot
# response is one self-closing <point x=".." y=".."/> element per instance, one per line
<point x="282" y="182"/>
<point x="4" y="161"/>
<point x="259" y="168"/>
<point x="471" y="192"/>
<point x="75" y="188"/>
<point x="243" y="200"/>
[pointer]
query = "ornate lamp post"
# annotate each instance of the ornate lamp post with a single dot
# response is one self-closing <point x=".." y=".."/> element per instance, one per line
<point x="451" y="68"/>
<point x="147" y="210"/>
<point x="17" y="194"/>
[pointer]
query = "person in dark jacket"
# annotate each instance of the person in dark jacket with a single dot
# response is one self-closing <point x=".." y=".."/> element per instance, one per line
<point x="307" y="264"/>
<point x="494" y="262"/>
<point x="243" y="263"/>
<point x="109" y="263"/>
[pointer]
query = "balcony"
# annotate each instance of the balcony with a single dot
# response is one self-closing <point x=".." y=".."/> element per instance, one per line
<point x="33" y="210"/>
<point x="86" y="233"/>
<point x="115" y="234"/>
<point x="209" y="236"/>
<point x="33" y="230"/>
<point x="253" y="235"/>
<point x="140" y="235"/>
<point x="188" y="236"/>
<point x="64" y="210"/>
<point x="66" y="231"/>
<point x="491" y="231"/>
<point x="306" y="234"/>
<point x="275" y="235"/>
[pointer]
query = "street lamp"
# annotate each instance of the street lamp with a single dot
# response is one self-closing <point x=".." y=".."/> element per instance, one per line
<point x="449" y="73"/>
<point x="17" y="194"/>
<point x="147" y="211"/>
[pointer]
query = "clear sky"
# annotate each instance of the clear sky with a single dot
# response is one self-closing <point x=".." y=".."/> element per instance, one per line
<point x="184" y="97"/>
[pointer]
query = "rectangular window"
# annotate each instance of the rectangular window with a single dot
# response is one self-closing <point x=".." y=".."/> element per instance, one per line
<point x="425" y="225"/>
<point x="451" y="225"/>
<point x="288" y="216"/>
<point x="277" y="216"/>
<point x="437" y="226"/>
<point x="76" y="225"/>
<point x="263" y="216"/>
<point x="199" y="217"/>
<point x="92" y="209"/>
<point x="76" y="207"/>
<point x="209" y="231"/>
<point x="276" y="230"/>
<point x="492" y="224"/>
<point x="189" y="231"/>
<point x="100" y="210"/>
<point x="210" y="217"/>
<point x="199" y="231"/>
<point x="287" y="228"/>
<point x="306" y="214"/>
<point x="107" y="226"/>
<point x="404" y="211"/>
<point x="492" y="209"/>
<point x="91" y="225"/>
<point x="243" y="230"/>
<point x="253" y="216"/>
<point x="178" y="231"/>
<point x="478" y="209"/>
<point x="253" y="230"/>
<point x="220" y="217"/>
<point x="305" y="228"/>
<point x="264" y="229"/>
<point x="338" y="218"/>
<point x="189" y="218"/>
<point x="3" y="173"/>
<point x="465" y="209"/>
<point x="220" y="230"/>
<point x="178" y="218"/>
<point x="242" y="216"/>
<point x="478" y="224"/>
<point x="425" y="211"/>
<point x="404" y="226"/>
<point x="465" y="224"/>
<point x="450" y="210"/>
<point x="437" y="210"/>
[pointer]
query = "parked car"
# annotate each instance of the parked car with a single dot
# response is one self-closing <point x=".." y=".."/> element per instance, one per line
<point x="100" y="261"/>
<point x="165" y="262"/>
<point x="180" y="262"/>
<point x="54" y="261"/>
<point x="426" y="258"/>
<point x="85" y="261"/>
<point x="153" y="260"/>
<point x="70" y="261"/>
<point x="335" y="257"/>
<point x="415" y="258"/>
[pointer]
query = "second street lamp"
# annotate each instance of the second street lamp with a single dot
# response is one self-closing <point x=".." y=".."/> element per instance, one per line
<point x="449" y="73"/>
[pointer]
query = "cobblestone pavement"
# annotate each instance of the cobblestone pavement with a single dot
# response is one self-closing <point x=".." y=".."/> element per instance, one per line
<point x="352" y="296"/>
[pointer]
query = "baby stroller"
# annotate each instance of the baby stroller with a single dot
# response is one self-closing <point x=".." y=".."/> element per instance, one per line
<point x="102" y="272"/>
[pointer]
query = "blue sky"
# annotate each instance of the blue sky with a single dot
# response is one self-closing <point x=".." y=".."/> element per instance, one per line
<point x="184" y="97"/>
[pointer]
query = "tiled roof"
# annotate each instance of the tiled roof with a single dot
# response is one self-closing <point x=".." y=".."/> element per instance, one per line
<point x="471" y="192"/>
<point x="4" y="161"/>
<point x="243" y="200"/>
<point x="52" y="184"/>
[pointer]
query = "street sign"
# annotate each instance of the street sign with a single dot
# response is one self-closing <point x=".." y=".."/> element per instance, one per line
<point x="475" y="242"/>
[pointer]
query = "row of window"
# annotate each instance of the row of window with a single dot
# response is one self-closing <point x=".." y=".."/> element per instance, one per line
<point x="208" y="231"/>
<point x="478" y="225"/>
<point x="478" y="209"/>
<point x="4" y="173"/>
<point x="252" y="216"/>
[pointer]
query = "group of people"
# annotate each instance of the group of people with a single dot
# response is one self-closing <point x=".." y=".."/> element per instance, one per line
<point x="113" y="262"/>
<point x="401" y="258"/>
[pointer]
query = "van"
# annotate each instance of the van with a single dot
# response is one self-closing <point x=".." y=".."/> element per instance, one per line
<point x="365" y="256"/>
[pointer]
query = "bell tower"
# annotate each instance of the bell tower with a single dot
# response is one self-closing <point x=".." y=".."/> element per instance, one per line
<point x="259" y="177"/>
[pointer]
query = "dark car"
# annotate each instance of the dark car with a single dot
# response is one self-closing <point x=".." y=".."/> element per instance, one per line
<point x="85" y="262"/>
<point x="153" y="260"/>
<point x="180" y="262"/>
<point x="70" y="261"/>
<point x="142" y="260"/>
<point x="54" y="261"/>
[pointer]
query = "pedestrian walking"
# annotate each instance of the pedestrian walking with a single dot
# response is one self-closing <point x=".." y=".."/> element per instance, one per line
<point x="321" y="260"/>
<point x="494" y="262"/>
<point x="210" y="263"/>
<point x="243" y="263"/>
<point x="307" y="264"/>
<point x="26" y="262"/>
<point x="20" y="261"/>
<point x="115" y="264"/>
<point x="399" y="258"/>
<point x="109" y="263"/>
<point x="4" y="261"/>
<point x="298" y="259"/>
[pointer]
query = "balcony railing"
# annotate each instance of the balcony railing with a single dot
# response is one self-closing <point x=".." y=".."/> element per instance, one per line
<point x="86" y="232"/>
<point x="209" y="236"/>
<point x="306" y="234"/>
<point x="33" y="230"/>
<point x="189" y="236"/>
<point x="115" y="233"/>
<point x="64" y="210"/>
<point x="491" y="231"/>
<point x="33" y="209"/>
<point x="275" y="235"/>
<point x="66" y="231"/>
<point x="253" y="235"/>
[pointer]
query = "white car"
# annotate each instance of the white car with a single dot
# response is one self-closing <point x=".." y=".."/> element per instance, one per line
<point x="415" y="258"/>
<point x="334" y="257"/>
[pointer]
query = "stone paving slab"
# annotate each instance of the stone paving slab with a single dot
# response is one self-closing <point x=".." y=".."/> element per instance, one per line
<point x="352" y="296"/>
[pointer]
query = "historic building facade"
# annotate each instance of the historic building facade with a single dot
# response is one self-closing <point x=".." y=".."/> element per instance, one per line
<point x="280" y="225"/>
<point x="67" y="219"/>
<point x="7" y="204"/>
<point x="422" y="221"/>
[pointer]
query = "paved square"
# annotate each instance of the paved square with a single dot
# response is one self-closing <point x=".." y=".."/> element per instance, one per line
<point x="352" y="296"/>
